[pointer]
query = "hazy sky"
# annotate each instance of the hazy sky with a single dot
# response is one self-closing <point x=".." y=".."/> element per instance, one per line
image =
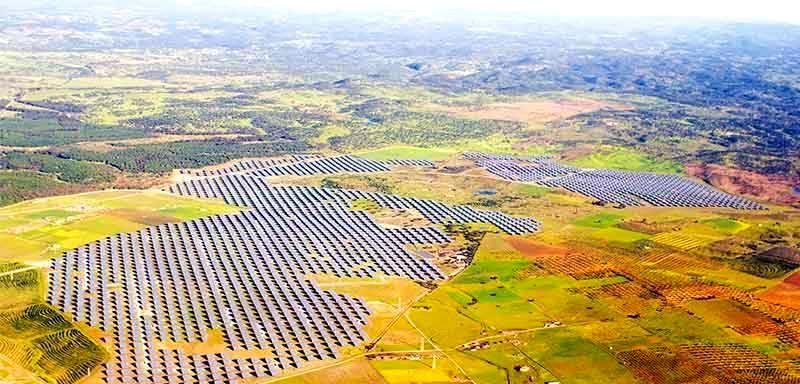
<point x="766" y="10"/>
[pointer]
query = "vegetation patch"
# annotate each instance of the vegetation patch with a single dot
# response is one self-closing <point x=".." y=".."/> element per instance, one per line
<point x="41" y="340"/>
<point x="726" y="225"/>
<point x="16" y="186"/>
<point x="531" y="190"/>
<point x="66" y="170"/>
<point x="45" y="132"/>
<point x="599" y="220"/>
<point x="618" y="235"/>
<point x="627" y="160"/>
<point x="39" y="229"/>
<point x="165" y="157"/>
<point x="365" y="205"/>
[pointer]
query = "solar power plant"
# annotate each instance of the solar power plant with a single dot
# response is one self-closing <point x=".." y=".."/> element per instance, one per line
<point x="324" y="165"/>
<point x="304" y="165"/>
<point x="245" y="165"/>
<point x="236" y="167"/>
<point x="409" y="163"/>
<point x="523" y="169"/>
<point x="616" y="187"/>
<point x="243" y="275"/>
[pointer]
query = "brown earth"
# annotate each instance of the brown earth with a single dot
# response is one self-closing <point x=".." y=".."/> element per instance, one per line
<point x="141" y="216"/>
<point x="793" y="279"/>
<point x="533" y="248"/>
<point x="786" y="293"/>
<point x="773" y="188"/>
<point x="358" y="371"/>
<point x="400" y="218"/>
<point x="535" y="111"/>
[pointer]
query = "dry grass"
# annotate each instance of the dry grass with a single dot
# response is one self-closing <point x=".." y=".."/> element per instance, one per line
<point x="358" y="371"/>
<point x="386" y="297"/>
<point x="534" y="111"/>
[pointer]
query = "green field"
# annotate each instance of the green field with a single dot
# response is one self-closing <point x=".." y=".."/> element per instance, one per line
<point x="628" y="160"/>
<point x="618" y="235"/>
<point x="600" y="220"/>
<point x="39" y="229"/>
<point x="551" y="355"/>
<point x="726" y="225"/>
<point x="495" y="294"/>
<point x="401" y="152"/>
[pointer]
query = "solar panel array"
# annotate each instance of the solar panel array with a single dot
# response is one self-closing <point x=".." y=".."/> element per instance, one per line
<point x="250" y="191"/>
<point x="158" y="292"/>
<point x="245" y="165"/>
<point x="323" y="166"/>
<point x="616" y="187"/>
<point x="303" y="165"/>
<point x="524" y="169"/>
<point x="409" y="163"/>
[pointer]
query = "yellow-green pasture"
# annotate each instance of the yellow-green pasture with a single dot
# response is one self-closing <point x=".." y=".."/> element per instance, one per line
<point x="36" y="230"/>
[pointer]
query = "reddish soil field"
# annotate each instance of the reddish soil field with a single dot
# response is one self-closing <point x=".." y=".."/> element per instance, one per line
<point x="554" y="259"/>
<point x="793" y="279"/>
<point x="773" y="188"/>
<point x="536" y="249"/>
<point x="785" y="294"/>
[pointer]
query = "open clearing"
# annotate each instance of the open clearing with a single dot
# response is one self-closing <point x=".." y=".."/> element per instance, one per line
<point x="626" y="160"/>
<point x="535" y="111"/>
<point x="408" y="152"/>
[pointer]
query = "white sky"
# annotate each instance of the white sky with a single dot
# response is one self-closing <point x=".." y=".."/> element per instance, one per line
<point x="763" y="10"/>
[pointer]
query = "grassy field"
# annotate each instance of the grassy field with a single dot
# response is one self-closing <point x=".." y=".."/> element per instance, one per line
<point x="600" y="220"/>
<point x="551" y="355"/>
<point x="628" y="160"/>
<point x="329" y="132"/>
<point x="408" y="152"/>
<point x="356" y="372"/>
<point x="37" y="230"/>
<point x="497" y="293"/>
<point x="416" y="371"/>
<point x="386" y="298"/>
<point x="727" y="225"/>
